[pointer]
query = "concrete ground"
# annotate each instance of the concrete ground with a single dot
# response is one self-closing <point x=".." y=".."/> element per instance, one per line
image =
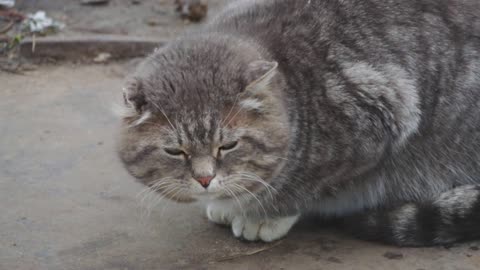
<point x="66" y="202"/>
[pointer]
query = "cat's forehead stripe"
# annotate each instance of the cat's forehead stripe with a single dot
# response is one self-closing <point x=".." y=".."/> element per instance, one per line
<point x="200" y="130"/>
<point x="211" y="128"/>
<point x="186" y="131"/>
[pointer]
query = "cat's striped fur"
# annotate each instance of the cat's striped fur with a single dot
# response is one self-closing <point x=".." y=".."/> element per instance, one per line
<point x="373" y="112"/>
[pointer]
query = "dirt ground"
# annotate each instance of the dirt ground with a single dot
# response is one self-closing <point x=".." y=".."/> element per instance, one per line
<point x="66" y="202"/>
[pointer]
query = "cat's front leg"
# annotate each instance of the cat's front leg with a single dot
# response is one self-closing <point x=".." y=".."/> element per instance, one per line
<point x="249" y="228"/>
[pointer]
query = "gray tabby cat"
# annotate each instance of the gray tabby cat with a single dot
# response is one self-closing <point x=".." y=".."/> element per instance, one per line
<point x="364" y="110"/>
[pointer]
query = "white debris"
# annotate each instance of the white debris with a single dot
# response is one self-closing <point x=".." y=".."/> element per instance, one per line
<point x="40" y="23"/>
<point x="102" y="58"/>
<point x="7" y="3"/>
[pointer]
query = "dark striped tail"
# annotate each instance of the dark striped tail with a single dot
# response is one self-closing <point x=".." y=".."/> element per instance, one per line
<point x="454" y="216"/>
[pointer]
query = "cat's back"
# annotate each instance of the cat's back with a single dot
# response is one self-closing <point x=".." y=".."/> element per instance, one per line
<point x="277" y="19"/>
<point x="374" y="30"/>
<point x="436" y="41"/>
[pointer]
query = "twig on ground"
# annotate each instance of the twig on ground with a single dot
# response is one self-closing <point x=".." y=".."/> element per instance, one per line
<point x="248" y="253"/>
<point x="34" y="42"/>
<point x="7" y="27"/>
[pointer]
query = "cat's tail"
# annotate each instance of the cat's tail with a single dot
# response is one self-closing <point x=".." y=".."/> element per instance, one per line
<point x="454" y="216"/>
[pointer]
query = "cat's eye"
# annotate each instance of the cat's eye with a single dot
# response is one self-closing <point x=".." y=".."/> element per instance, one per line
<point x="228" y="146"/>
<point x="175" y="152"/>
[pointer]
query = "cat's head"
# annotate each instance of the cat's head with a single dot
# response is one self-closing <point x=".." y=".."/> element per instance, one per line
<point x="205" y="117"/>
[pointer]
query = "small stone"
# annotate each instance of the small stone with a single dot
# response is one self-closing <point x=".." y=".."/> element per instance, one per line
<point x="95" y="2"/>
<point x="153" y="22"/>
<point x="393" y="256"/>
<point x="448" y="246"/>
<point x="334" y="260"/>
<point x="474" y="248"/>
<point x="192" y="10"/>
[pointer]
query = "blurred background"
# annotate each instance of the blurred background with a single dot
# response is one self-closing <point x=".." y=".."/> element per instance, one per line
<point x="65" y="200"/>
<point x="92" y="30"/>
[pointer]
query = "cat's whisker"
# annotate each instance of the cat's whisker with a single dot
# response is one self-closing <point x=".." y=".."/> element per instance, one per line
<point x="145" y="202"/>
<point x="161" y="127"/>
<point x="246" y="197"/>
<point x="235" y="198"/>
<point x="247" y="177"/>
<point x="157" y="182"/>
<point x="146" y="196"/>
<point x="169" y="189"/>
<point x="230" y="112"/>
<point x="233" y="117"/>
<point x="160" y="184"/>
<point x="241" y="194"/>
<point x="258" y="179"/>
<point x="170" y="122"/>
<point x="142" y="192"/>
<point x="165" y="187"/>
<point x="147" y="189"/>
<point x="269" y="188"/>
<point x="254" y="196"/>
<point x="172" y="197"/>
<point x="232" y="182"/>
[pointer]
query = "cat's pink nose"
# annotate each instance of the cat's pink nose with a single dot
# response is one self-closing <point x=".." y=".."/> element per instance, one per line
<point x="205" y="180"/>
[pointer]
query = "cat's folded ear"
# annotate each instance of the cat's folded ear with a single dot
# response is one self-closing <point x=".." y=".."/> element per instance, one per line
<point x="260" y="75"/>
<point x="133" y="95"/>
<point x="134" y="110"/>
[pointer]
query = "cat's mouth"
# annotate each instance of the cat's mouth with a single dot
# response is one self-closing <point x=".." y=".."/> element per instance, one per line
<point x="218" y="190"/>
<point x="193" y="195"/>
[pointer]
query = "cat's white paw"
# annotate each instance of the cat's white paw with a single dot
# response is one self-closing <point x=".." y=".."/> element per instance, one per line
<point x="221" y="213"/>
<point x="266" y="230"/>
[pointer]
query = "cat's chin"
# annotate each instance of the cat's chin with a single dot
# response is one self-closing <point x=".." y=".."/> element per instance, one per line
<point x="184" y="200"/>
<point x="207" y="197"/>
